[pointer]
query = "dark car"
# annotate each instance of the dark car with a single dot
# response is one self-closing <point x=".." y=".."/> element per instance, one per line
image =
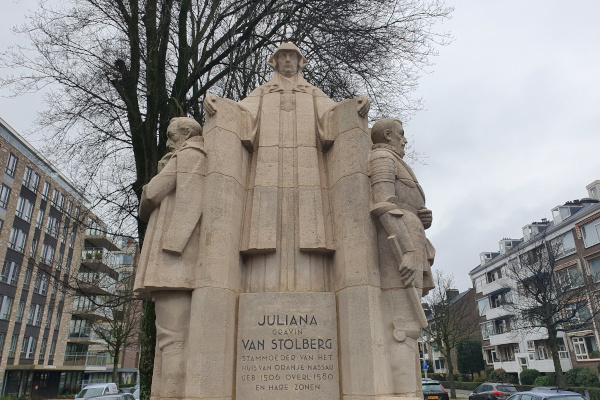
<point x="493" y="391"/>
<point x="433" y="390"/>
<point x="547" y="394"/>
<point x="119" y="396"/>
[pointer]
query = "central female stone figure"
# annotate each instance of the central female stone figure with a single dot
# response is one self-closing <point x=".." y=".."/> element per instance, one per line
<point x="287" y="234"/>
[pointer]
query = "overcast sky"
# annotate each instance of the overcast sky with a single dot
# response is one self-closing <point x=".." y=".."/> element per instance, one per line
<point x="511" y="125"/>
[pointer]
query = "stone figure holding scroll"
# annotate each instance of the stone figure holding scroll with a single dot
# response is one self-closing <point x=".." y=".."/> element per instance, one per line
<point x="171" y="203"/>
<point x="287" y="234"/>
<point x="405" y="254"/>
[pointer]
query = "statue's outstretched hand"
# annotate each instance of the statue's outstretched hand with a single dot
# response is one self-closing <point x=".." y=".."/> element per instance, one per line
<point x="426" y="217"/>
<point x="407" y="268"/>
<point x="363" y="106"/>
<point x="209" y="104"/>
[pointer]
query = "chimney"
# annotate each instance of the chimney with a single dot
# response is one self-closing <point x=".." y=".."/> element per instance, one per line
<point x="451" y="293"/>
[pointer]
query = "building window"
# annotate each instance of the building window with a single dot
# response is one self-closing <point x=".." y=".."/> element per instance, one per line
<point x="10" y="272"/>
<point x="578" y="312"/>
<point x="487" y="329"/>
<point x="594" y="265"/>
<point x="40" y="219"/>
<point x="43" y="284"/>
<point x="72" y="240"/>
<point x="590" y="232"/>
<point x="42" y="350"/>
<point x="2" y="339"/>
<point x="52" y="348"/>
<point x="11" y="165"/>
<point x="46" y="191"/>
<point x="58" y="199"/>
<point x="49" y="319"/>
<point x="17" y="240"/>
<point x="27" y="279"/>
<point x="494" y="275"/>
<point x="63" y="236"/>
<point x="580" y="346"/>
<point x="542" y="351"/>
<point x="31" y="348"/>
<point x="564" y="245"/>
<point x="31" y="179"/>
<point x="4" y="195"/>
<point x="52" y="226"/>
<point x="569" y="277"/>
<point x="69" y="206"/>
<point x="34" y="245"/>
<point x="20" y="311"/>
<point x="57" y="320"/>
<point x="24" y="209"/>
<point x="47" y="254"/>
<point x="59" y="261"/>
<point x="13" y="346"/>
<point x="5" y="307"/>
<point x="483" y="305"/>
<point x="440" y="365"/>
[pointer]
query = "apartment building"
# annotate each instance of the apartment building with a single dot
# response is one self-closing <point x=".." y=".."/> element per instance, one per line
<point x="462" y="304"/>
<point x="511" y="343"/>
<point x="59" y="267"/>
<point x="40" y="245"/>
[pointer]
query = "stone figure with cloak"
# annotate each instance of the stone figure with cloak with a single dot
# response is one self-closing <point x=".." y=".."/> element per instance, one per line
<point x="171" y="203"/>
<point x="287" y="235"/>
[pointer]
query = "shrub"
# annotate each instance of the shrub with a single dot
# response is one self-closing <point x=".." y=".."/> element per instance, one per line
<point x="581" y="377"/>
<point x="500" y="375"/>
<point x="528" y="376"/>
<point x="479" y="379"/>
<point x="541" y="381"/>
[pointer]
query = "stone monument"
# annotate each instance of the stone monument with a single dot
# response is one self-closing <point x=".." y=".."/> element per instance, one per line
<point x="302" y="259"/>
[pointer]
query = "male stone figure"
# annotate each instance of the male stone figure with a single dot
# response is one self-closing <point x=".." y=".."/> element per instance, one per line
<point x="405" y="254"/>
<point x="169" y="260"/>
<point x="287" y="236"/>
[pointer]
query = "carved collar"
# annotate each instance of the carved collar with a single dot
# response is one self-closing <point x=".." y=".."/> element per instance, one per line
<point x="280" y="83"/>
<point x="386" y="147"/>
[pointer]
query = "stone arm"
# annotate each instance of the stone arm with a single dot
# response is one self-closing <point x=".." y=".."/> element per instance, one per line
<point x="187" y="209"/>
<point x="385" y="210"/>
<point x="335" y="118"/>
<point x="241" y="118"/>
<point x="156" y="190"/>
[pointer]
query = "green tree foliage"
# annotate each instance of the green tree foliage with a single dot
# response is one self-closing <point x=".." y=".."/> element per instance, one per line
<point x="581" y="377"/>
<point x="469" y="357"/>
<point x="528" y="376"/>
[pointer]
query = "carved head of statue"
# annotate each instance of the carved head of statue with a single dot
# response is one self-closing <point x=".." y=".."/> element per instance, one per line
<point x="287" y="60"/>
<point x="389" y="131"/>
<point x="181" y="129"/>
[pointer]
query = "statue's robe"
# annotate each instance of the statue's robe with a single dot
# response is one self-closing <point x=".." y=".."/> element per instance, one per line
<point x="287" y="234"/>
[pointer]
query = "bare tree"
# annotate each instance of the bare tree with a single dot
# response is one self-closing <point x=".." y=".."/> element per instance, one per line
<point x="119" y="70"/>
<point x="549" y="295"/>
<point x="452" y="319"/>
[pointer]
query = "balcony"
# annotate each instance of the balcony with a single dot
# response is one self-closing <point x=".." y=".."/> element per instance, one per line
<point x="84" y="336"/>
<point x="94" y="313"/>
<point x="95" y="283"/>
<point x="99" y="238"/>
<point x="494" y="286"/>
<point x="504" y="338"/>
<point x="99" y="259"/>
<point x="86" y="359"/>
<point x="496" y="313"/>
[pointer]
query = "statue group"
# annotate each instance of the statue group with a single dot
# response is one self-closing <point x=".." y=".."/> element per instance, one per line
<point x="286" y="193"/>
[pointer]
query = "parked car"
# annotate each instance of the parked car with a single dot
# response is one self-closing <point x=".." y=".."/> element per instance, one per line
<point x="136" y="394"/>
<point x="433" y="390"/>
<point x="493" y="391"/>
<point x="118" y="396"/>
<point x="97" y="389"/>
<point x="547" y="394"/>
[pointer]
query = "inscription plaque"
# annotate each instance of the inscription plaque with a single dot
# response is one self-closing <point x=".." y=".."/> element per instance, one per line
<point x="287" y="347"/>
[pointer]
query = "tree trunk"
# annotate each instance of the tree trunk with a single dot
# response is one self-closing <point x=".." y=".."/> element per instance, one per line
<point x="560" y="378"/>
<point x="115" y="372"/>
<point x="450" y="370"/>
<point x="147" y="341"/>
